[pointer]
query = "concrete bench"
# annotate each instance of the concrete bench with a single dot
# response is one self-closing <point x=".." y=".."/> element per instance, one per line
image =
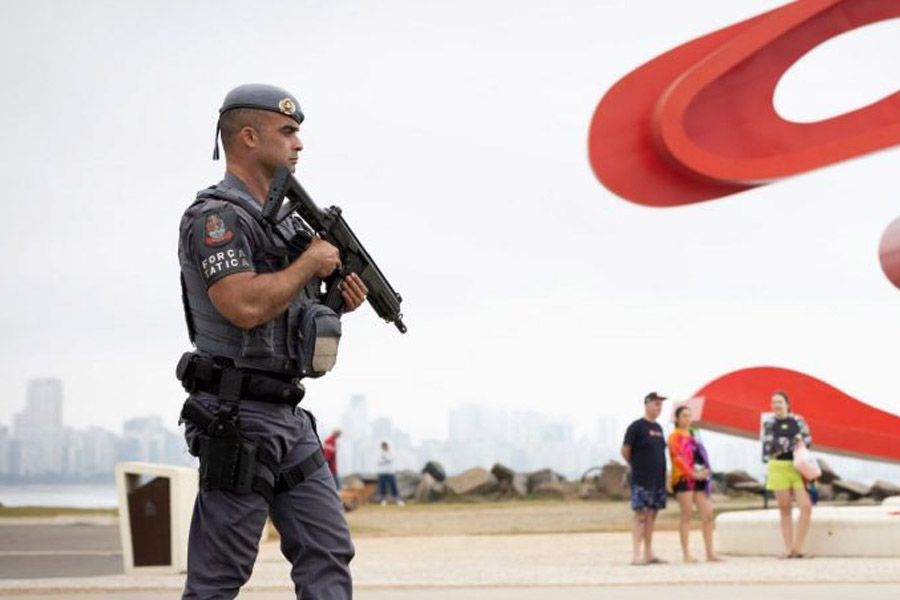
<point x="834" y="531"/>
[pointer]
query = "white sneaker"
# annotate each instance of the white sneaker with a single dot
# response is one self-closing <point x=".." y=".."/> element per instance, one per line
<point x="400" y="502"/>
<point x="384" y="502"/>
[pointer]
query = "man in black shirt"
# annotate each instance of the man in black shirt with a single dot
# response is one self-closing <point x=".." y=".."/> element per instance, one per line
<point x="644" y="449"/>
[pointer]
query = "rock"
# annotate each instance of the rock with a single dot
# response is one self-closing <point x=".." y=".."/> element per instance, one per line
<point x="717" y="485"/>
<point x="502" y="472"/>
<point x="853" y="489"/>
<point x="365" y="478"/>
<point x="519" y="485"/>
<point x="613" y="480"/>
<point x="735" y="477"/>
<point x="551" y="489"/>
<point x="884" y="489"/>
<point x="474" y="481"/>
<point x="429" y="489"/>
<point x="407" y="482"/>
<point x="352" y="482"/>
<point x="516" y="485"/>
<point x="826" y="492"/>
<point x="536" y="478"/>
<point x="588" y="491"/>
<point x="435" y="469"/>
<point x="828" y="474"/>
<point x="352" y="498"/>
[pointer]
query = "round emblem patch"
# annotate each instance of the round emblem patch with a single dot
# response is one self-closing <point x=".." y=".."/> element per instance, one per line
<point x="217" y="232"/>
<point x="286" y="105"/>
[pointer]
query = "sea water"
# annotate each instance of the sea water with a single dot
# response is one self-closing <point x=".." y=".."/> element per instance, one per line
<point x="100" y="495"/>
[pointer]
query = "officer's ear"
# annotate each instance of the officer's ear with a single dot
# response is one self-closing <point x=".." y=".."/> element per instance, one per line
<point x="249" y="136"/>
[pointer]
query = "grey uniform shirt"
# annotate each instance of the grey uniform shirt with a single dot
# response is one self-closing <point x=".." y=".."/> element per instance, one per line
<point x="218" y="238"/>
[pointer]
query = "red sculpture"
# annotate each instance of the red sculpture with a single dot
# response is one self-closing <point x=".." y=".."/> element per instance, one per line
<point x="839" y="423"/>
<point x="697" y="123"/>
<point x="889" y="252"/>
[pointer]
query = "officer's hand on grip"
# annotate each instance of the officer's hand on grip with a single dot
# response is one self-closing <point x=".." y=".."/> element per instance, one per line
<point x="353" y="291"/>
<point x="326" y="258"/>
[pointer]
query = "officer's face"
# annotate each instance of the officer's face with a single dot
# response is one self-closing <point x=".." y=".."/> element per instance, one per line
<point x="279" y="142"/>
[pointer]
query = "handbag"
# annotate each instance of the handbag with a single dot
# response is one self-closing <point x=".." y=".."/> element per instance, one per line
<point x="805" y="464"/>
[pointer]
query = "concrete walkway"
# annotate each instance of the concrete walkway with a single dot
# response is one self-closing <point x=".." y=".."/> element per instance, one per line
<point x="38" y="548"/>
<point x="511" y="565"/>
<point x="633" y="592"/>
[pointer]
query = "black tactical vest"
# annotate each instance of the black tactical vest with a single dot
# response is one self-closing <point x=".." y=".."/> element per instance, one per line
<point x="269" y="347"/>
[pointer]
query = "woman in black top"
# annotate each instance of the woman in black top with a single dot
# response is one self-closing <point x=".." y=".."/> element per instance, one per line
<point x="781" y="433"/>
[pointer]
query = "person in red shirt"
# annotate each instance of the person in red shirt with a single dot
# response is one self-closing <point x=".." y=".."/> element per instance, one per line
<point x="331" y="456"/>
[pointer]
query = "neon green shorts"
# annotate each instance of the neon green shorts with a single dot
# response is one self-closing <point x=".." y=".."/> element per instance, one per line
<point x="782" y="475"/>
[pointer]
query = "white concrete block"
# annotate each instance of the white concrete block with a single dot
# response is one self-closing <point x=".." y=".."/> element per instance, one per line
<point x="834" y="531"/>
<point x="182" y="491"/>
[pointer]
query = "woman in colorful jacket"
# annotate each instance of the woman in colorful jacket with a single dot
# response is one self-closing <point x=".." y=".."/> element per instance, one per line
<point x="781" y="432"/>
<point x="691" y="482"/>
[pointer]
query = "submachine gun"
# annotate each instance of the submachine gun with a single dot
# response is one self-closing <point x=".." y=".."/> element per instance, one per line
<point x="329" y="224"/>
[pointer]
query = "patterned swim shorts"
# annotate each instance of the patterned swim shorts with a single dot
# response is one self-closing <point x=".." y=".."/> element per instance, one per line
<point x="643" y="498"/>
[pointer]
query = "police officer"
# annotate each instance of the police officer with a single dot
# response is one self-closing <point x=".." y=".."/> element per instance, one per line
<point x="245" y="284"/>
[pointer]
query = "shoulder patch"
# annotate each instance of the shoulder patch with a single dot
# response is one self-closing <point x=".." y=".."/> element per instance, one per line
<point x="216" y="232"/>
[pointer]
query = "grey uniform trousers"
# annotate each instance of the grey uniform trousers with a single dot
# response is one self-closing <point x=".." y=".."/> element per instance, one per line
<point x="226" y="527"/>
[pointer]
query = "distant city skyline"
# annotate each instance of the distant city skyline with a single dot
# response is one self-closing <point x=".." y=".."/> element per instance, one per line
<point x="478" y="436"/>
<point x="41" y="447"/>
<point x="481" y="435"/>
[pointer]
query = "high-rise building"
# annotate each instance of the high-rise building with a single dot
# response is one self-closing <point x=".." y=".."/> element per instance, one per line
<point x="5" y="454"/>
<point x="354" y="453"/>
<point x="38" y="428"/>
<point x="43" y="410"/>
<point x="355" y="421"/>
<point x="145" y="439"/>
<point x="90" y="453"/>
<point x="383" y="429"/>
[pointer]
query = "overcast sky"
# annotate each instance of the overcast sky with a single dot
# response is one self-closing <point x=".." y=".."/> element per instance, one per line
<point x="454" y="135"/>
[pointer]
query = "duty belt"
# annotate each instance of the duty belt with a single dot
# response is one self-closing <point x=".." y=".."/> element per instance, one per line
<point x="200" y="374"/>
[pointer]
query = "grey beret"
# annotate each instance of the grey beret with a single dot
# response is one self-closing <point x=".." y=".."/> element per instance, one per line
<point x="259" y="96"/>
<point x="263" y="97"/>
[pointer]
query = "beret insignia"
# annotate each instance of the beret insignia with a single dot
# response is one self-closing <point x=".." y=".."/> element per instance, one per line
<point x="286" y="105"/>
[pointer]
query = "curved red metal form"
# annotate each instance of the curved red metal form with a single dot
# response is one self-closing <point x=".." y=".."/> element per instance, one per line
<point x="697" y="123"/>
<point x="839" y="423"/>
<point x="889" y="252"/>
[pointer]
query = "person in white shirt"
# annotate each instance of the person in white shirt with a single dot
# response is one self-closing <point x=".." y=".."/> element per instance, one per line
<point x="386" y="477"/>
